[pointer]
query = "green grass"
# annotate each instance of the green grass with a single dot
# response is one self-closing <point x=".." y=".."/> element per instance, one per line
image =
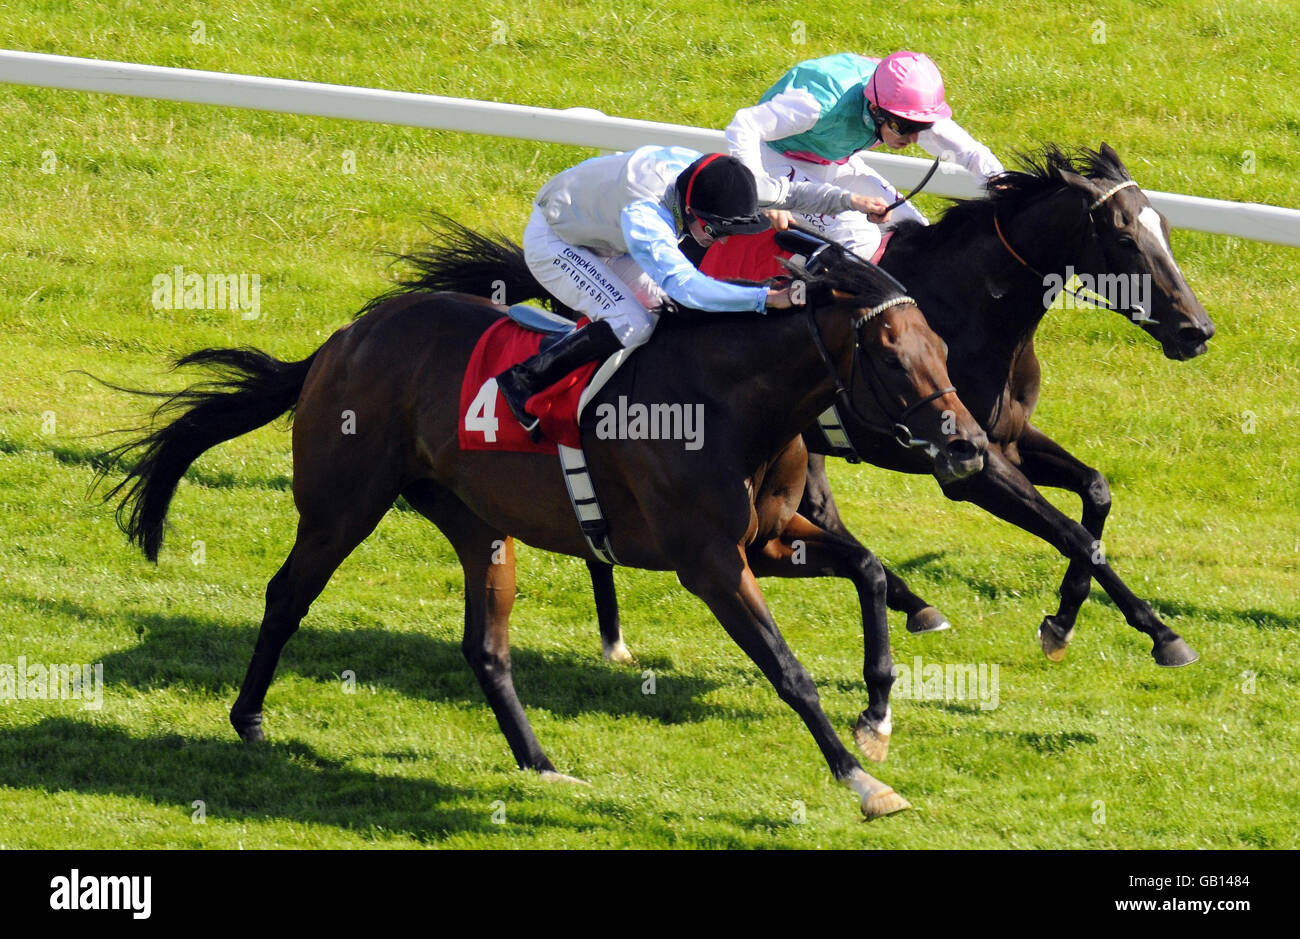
<point x="1204" y="523"/>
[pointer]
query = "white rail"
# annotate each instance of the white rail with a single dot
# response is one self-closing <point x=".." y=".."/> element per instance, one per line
<point x="576" y="126"/>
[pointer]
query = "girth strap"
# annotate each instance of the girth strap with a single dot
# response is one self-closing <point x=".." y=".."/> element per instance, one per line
<point x="833" y="428"/>
<point x="582" y="495"/>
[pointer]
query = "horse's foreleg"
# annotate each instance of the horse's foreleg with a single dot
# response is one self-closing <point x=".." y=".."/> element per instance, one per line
<point x="720" y="576"/>
<point x="1004" y="491"/>
<point x="805" y="550"/>
<point x="818" y="506"/>
<point x="1046" y="463"/>
<point x="611" y="630"/>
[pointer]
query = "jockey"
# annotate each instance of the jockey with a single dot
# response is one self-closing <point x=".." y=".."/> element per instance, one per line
<point x="603" y="240"/>
<point x="810" y="125"/>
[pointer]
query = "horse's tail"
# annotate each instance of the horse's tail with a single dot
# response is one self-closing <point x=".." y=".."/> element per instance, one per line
<point x="250" y="388"/>
<point x="462" y="260"/>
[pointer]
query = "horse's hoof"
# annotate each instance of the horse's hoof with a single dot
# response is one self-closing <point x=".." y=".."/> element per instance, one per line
<point x="873" y="738"/>
<point x="880" y="804"/>
<point x="551" y="776"/>
<point x="618" y="654"/>
<point x="1174" y="653"/>
<point x="1053" y="640"/>
<point x="249" y="728"/>
<point x="927" y="620"/>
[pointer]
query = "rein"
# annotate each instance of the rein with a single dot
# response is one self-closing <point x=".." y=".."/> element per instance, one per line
<point x="900" y="432"/>
<point x="1136" y="313"/>
<point x="919" y="186"/>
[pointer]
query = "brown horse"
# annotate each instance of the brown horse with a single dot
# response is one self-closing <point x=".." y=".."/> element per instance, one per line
<point x="718" y="515"/>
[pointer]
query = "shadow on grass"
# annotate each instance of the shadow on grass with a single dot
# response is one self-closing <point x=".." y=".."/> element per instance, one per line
<point x="91" y="456"/>
<point x="920" y="562"/>
<point x="1256" y="618"/>
<point x="205" y="655"/>
<point x="1170" y="609"/>
<point x="933" y="566"/>
<point x="1057" y="742"/>
<point x="1259" y="619"/>
<point x="268" y="782"/>
<point x="1044" y="743"/>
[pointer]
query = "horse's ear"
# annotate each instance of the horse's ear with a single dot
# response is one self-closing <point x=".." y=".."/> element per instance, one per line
<point x="1082" y="183"/>
<point x="1108" y="152"/>
<point x="796" y="268"/>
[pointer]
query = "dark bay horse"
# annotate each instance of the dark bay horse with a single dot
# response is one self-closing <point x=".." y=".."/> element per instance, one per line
<point x="717" y="516"/>
<point x="983" y="275"/>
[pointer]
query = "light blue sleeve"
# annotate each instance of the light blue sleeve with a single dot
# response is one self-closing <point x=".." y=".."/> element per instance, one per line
<point x="652" y="241"/>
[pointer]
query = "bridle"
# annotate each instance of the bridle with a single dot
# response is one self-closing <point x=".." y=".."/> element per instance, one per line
<point x="900" y="432"/>
<point x="1135" y="313"/>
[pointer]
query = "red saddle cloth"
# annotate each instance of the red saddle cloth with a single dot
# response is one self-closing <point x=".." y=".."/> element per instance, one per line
<point x="756" y="257"/>
<point x="745" y="257"/>
<point x="485" y="420"/>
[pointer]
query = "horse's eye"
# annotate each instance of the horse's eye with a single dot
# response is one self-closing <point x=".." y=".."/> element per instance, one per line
<point x="1124" y="241"/>
<point x="889" y="360"/>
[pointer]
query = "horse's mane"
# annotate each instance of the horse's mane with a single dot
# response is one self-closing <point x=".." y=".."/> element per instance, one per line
<point x="1039" y="175"/>
<point x="461" y="260"/>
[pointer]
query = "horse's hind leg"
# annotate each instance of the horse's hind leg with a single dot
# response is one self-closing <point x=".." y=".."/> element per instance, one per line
<point x="324" y="541"/>
<point x="487" y="557"/>
<point x="611" y="630"/>
<point x="818" y="506"/>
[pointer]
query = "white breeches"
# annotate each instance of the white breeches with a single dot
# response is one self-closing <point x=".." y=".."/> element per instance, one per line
<point x="615" y="290"/>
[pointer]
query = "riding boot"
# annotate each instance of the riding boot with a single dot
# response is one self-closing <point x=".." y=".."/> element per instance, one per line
<point x="594" y="341"/>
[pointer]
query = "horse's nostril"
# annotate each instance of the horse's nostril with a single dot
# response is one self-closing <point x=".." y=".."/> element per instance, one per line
<point x="1190" y="335"/>
<point x="961" y="450"/>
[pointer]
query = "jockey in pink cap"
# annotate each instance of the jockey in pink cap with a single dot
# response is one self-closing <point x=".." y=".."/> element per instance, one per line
<point x="811" y="125"/>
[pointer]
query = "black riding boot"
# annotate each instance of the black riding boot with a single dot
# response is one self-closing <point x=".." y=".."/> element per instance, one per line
<point x="593" y="341"/>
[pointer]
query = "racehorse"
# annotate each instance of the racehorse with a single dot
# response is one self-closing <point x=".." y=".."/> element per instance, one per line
<point x="978" y="272"/>
<point x="984" y="274"/>
<point x="717" y="516"/>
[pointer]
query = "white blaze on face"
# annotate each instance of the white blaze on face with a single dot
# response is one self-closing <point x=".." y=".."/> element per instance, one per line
<point x="1149" y="219"/>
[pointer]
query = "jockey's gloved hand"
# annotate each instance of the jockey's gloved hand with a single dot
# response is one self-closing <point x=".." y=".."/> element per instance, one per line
<point x="783" y="299"/>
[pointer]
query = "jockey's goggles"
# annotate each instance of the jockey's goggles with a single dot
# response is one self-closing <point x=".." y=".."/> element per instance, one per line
<point x="716" y="226"/>
<point x="901" y="125"/>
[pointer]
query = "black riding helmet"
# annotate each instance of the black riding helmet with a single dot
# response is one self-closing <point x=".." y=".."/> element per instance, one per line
<point x="720" y="191"/>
